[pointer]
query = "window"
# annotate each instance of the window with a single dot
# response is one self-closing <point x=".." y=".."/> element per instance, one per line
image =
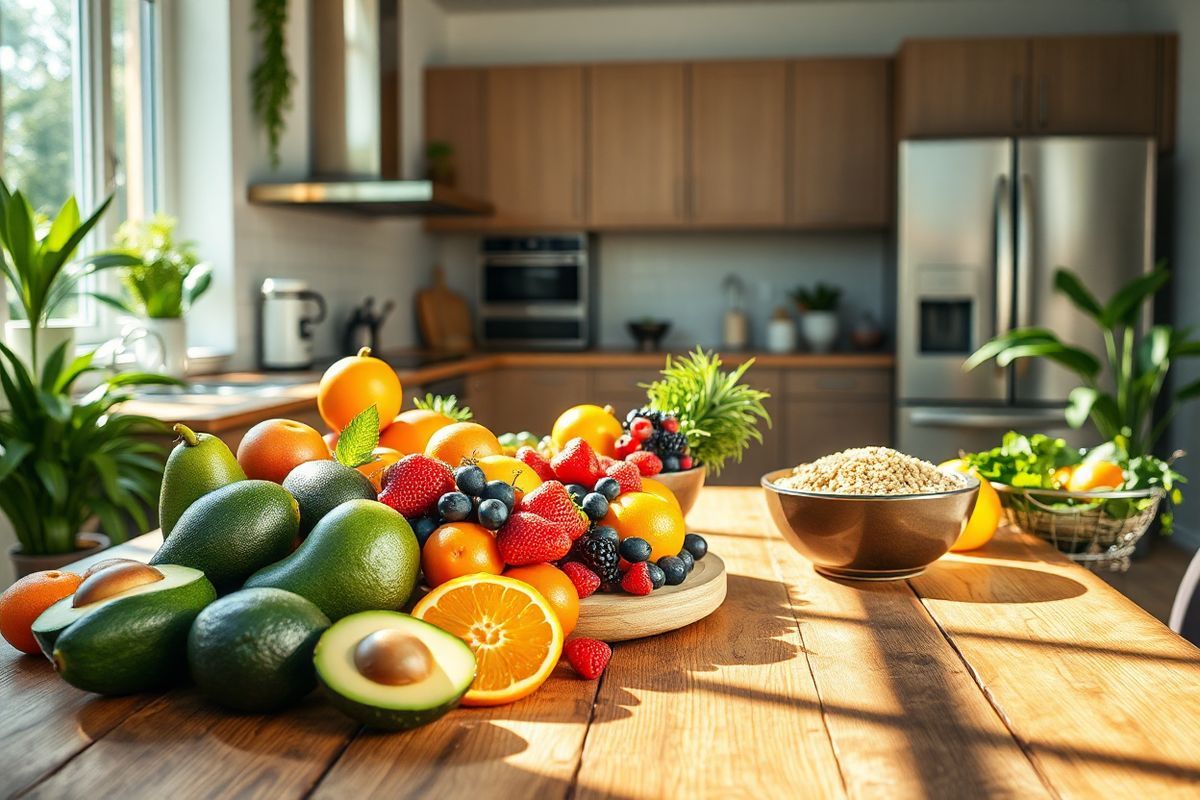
<point x="78" y="82"/>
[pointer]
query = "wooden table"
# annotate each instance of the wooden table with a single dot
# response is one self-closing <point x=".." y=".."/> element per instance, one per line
<point x="1009" y="672"/>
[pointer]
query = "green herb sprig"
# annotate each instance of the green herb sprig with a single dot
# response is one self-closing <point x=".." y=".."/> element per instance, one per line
<point x="272" y="79"/>
<point x="357" y="442"/>
<point x="446" y="405"/>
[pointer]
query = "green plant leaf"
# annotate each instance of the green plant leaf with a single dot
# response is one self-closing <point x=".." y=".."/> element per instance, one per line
<point x="59" y="257"/>
<point x="1069" y="284"/>
<point x="198" y="279"/>
<point x="357" y="441"/>
<point x="446" y="405"/>
<point x="1123" y="308"/>
<point x="1074" y="359"/>
<point x="994" y="347"/>
<point x="14" y="454"/>
<point x="114" y="302"/>
<point x="1189" y="392"/>
<point x="65" y="223"/>
<point x="1079" y="405"/>
<point x="54" y="478"/>
<point x="53" y="365"/>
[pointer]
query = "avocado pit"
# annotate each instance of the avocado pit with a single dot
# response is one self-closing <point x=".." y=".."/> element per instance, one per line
<point x="107" y="579"/>
<point x="393" y="658"/>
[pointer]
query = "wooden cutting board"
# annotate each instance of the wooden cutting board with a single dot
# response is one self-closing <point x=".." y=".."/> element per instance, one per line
<point x="618" y="617"/>
<point x="444" y="316"/>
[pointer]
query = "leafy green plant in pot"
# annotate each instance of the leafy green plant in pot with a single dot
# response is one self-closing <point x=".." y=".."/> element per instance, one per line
<point x="819" y="318"/>
<point x="1121" y="389"/>
<point x="65" y="460"/>
<point x="162" y="284"/>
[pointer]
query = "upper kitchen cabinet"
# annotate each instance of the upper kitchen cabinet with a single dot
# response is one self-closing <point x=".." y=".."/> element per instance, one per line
<point x="454" y="108"/>
<point x="1096" y="84"/>
<point x="841" y="143"/>
<point x="636" y="146"/>
<point x="963" y="87"/>
<point x="535" y="154"/>
<point x="739" y="144"/>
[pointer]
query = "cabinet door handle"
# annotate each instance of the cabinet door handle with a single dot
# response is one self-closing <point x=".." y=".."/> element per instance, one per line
<point x="579" y="201"/>
<point x="1043" y="102"/>
<point x="680" y="201"/>
<point x="1018" y="100"/>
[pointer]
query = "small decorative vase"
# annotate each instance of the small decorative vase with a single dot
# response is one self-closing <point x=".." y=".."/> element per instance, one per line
<point x="820" y="329"/>
<point x="781" y="332"/>
<point x="685" y="485"/>
<point x="86" y="544"/>
<point x="164" y="347"/>
<point x="17" y="334"/>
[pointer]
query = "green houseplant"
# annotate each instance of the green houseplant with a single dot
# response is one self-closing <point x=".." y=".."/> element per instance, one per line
<point x="819" y="318"/>
<point x="64" y="460"/>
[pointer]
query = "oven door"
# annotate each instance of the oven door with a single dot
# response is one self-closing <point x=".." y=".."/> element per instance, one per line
<point x="552" y="279"/>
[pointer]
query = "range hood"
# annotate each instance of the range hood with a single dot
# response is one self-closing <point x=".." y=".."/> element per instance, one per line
<point x="355" y="121"/>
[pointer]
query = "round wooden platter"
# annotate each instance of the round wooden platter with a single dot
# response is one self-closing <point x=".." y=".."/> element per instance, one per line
<point x="617" y="617"/>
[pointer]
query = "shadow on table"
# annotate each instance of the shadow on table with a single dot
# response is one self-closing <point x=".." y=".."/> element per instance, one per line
<point x="967" y="582"/>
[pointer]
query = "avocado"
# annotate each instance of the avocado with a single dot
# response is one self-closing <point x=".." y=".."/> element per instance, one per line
<point x="252" y="650"/>
<point x="130" y="641"/>
<point x="232" y="531"/>
<point x="419" y="670"/>
<point x="321" y="486"/>
<point x="199" y="464"/>
<point x="361" y="556"/>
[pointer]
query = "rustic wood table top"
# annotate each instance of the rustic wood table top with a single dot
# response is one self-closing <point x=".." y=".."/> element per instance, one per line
<point x="1007" y="672"/>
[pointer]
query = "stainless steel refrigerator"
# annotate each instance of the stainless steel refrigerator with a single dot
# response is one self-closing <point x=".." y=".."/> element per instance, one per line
<point x="982" y="226"/>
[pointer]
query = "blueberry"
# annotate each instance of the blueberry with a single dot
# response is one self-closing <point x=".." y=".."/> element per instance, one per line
<point x="423" y="528"/>
<point x="635" y="549"/>
<point x="470" y="480"/>
<point x="492" y="514"/>
<point x="657" y="576"/>
<point x="608" y="487"/>
<point x="695" y="544"/>
<point x="674" y="568"/>
<point x="577" y="492"/>
<point x="595" y="505"/>
<point x="687" y="559"/>
<point x="670" y="463"/>
<point x="454" y="506"/>
<point x="605" y="532"/>
<point x="499" y="490"/>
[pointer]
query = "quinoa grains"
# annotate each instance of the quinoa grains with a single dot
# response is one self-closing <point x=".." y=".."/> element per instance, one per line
<point x="870" y="471"/>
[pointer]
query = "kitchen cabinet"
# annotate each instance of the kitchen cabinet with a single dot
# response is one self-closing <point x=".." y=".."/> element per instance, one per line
<point x="817" y="427"/>
<point x="535" y="154"/>
<point x="636" y="144"/>
<point x="841" y="143"/>
<point x="530" y="399"/>
<point x="454" y="109"/>
<point x="1095" y="84"/>
<point x="738" y="136"/>
<point x="963" y="87"/>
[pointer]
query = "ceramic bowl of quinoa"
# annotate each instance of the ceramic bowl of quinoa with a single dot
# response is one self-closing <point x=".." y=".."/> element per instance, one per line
<point x="870" y="513"/>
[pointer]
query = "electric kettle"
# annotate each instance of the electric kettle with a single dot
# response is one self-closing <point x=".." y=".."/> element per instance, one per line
<point x="289" y="311"/>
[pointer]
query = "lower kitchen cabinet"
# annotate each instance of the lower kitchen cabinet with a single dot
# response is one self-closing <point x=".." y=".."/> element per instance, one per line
<point x="817" y="427"/>
<point x="530" y="399"/>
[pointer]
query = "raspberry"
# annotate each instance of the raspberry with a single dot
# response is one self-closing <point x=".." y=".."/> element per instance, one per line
<point x="588" y="657"/>
<point x="637" y="579"/>
<point x="586" y="582"/>
<point x="647" y="463"/>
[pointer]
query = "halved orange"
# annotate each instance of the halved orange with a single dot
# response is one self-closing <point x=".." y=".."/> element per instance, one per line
<point x="509" y="625"/>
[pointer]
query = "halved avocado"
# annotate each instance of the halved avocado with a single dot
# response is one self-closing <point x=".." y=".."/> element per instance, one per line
<point x="419" y="671"/>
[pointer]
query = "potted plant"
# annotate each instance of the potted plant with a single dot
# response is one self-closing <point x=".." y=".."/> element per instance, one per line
<point x="161" y="284"/>
<point x="819" y="318"/>
<point x="66" y="460"/>
<point x="439" y="162"/>
<point x="37" y="261"/>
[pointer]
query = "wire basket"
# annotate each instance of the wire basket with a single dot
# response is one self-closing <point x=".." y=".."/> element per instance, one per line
<point x="1096" y="529"/>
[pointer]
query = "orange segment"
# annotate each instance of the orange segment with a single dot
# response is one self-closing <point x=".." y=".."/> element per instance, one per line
<point x="509" y="625"/>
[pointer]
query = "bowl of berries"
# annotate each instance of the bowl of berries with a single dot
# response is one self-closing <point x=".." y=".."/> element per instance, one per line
<point x="653" y="441"/>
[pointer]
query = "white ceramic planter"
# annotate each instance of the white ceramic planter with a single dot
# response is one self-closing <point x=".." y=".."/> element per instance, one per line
<point x="19" y="339"/>
<point x="820" y="329"/>
<point x="162" y="348"/>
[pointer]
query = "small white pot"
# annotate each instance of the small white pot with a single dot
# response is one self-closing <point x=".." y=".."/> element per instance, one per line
<point x="820" y="329"/>
<point x="160" y="345"/>
<point x="49" y="337"/>
<point x="781" y="335"/>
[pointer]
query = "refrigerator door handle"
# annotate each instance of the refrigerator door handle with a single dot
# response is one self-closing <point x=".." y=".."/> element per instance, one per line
<point x="1003" y="257"/>
<point x="954" y="418"/>
<point x="1025" y="235"/>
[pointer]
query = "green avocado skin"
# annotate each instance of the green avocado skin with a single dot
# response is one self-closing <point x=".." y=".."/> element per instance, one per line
<point x="132" y="645"/>
<point x="362" y="556"/>
<point x="252" y="650"/>
<point x="321" y="486"/>
<point x="232" y="531"/>
<point x="193" y="471"/>
<point x="388" y="719"/>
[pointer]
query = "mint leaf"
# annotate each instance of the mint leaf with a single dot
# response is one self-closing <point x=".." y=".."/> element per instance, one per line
<point x="359" y="438"/>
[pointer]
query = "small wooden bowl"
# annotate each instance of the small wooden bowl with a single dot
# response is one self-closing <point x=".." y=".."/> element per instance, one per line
<point x="685" y="485"/>
<point x="617" y="617"/>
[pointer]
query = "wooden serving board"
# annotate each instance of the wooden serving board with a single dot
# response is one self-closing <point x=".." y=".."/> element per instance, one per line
<point x="617" y="617"/>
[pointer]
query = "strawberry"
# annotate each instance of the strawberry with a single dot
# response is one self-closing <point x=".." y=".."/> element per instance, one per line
<point x="625" y="445"/>
<point x="576" y="463"/>
<point x="536" y="462"/>
<point x="550" y="501"/>
<point x="528" y="539"/>
<point x="588" y="657"/>
<point x="605" y="462"/>
<point x="627" y="476"/>
<point x="413" y="484"/>
<point x="637" y="579"/>
<point x="586" y="582"/>
<point x="647" y="463"/>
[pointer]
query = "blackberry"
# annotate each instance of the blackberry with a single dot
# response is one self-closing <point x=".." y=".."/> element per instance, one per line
<point x="654" y="442"/>
<point x="600" y="556"/>
<point x="672" y="444"/>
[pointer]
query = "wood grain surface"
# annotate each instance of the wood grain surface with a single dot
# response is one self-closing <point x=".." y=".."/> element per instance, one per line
<point x="1007" y="672"/>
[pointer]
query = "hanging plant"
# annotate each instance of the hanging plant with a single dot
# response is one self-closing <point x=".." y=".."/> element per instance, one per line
<point x="272" y="79"/>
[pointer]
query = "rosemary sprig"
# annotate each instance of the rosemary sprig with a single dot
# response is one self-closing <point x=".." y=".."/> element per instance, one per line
<point x="272" y="79"/>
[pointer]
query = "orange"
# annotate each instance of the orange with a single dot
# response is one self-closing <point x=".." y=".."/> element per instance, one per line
<point x="510" y="470"/>
<point x="1092" y="476"/>
<point x="25" y="600"/>
<point x="556" y="587"/>
<point x="384" y="458"/>
<point x="985" y="519"/>
<point x="274" y="447"/>
<point x="649" y="517"/>
<point x="355" y="383"/>
<point x="411" y="430"/>
<point x="460" y="548"/>
<point x="1061" y="477"/>
<point x="461" y="440"/>
<point x="595" y="425"/>
<point x="331" y="440"/>
<point x="651" y="486"/>
<point x="511" y="628"/>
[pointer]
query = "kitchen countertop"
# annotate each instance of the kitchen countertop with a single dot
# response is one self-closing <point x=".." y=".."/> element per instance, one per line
<point x="1006" y="672"/>
<point x="296" y="391"/>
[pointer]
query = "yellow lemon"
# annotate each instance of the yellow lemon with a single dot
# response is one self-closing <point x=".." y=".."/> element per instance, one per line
<point x="985" y="519"/>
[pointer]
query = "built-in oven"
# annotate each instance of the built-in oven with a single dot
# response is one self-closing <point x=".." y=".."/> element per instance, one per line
<point x="534" y="292"/>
